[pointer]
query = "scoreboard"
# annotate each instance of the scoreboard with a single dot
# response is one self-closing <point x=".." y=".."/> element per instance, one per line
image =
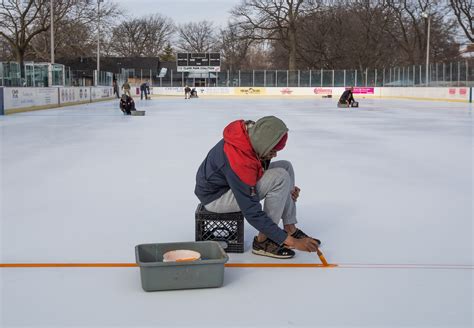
<point x="198" y="62"/>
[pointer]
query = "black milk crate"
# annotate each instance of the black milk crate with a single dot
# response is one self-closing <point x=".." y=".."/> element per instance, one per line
<point x="225" y="228"/>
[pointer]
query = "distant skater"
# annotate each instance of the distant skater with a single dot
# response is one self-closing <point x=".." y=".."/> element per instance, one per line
<point x="126" y="88"/>
<point x="187" y="92"/>
<point x="347" y="98"/>
<point x="127" y="105"/>
<point x="147" y="89"/>
<point x="116" y="90"/>
<point x="144" y="90"/>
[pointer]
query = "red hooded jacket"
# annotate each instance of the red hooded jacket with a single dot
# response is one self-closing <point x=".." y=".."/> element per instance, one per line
<point x="242" y="158"/>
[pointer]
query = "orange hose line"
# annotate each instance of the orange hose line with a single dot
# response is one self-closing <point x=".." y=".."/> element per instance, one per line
<point x="248" y="265"/>
<point x="123" y="265"/>
<point x="279" y="265"/>
<point x="67" y="265"/>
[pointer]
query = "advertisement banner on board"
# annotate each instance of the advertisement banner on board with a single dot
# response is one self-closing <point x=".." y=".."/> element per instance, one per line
<point x="322" y="91"/>
<point x="249" y="91"/>
<point x="102" y="93"/>
<point x="169" y="91"/>
<point x="215" y="91"/>
<point x="15" y="98"/>
<point x="363" y="91"/>
<point x="74" y="94"/>
<point x="458" y="93"/>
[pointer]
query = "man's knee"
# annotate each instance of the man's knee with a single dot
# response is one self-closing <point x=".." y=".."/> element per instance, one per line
<point x="285" y="165"/>
<point x="282" y="175"/>
<point x="288" y="166"/>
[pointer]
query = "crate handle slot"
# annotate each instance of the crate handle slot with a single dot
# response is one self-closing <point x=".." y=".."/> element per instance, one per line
<point x="220" y="232"/>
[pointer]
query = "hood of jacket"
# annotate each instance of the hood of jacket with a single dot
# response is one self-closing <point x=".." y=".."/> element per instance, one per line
<point x="266" y="133"/>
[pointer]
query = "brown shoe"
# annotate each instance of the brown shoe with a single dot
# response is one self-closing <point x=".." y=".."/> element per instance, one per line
<point x="271" y="249"/>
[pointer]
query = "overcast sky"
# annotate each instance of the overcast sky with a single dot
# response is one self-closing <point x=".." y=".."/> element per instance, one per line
<point x="181" y="11"/>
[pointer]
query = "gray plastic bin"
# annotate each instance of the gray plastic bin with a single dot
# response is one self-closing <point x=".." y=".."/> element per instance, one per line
<point x="158" y="275"/>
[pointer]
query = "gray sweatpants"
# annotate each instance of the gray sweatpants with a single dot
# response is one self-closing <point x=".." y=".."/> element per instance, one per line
<point x="274" y="187"/>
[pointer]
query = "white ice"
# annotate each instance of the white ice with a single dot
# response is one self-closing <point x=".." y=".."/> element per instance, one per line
<point x="387" y="183"/>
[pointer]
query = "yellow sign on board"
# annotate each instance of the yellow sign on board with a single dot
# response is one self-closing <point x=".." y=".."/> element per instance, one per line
<point x="249" y="91"/>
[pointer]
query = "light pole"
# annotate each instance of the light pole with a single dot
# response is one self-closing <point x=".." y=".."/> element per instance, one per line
<point x="98" y="41"/>
<point x="50" y="66"/>
<point x="426" y="15"/>
<point x="52" y="30"/>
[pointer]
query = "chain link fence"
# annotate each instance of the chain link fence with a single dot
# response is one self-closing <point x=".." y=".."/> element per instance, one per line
<point x="46" y="75"/>
<point x="439" y="75"/>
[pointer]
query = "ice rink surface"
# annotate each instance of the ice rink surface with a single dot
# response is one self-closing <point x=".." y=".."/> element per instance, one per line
<point x="389" y="183"/>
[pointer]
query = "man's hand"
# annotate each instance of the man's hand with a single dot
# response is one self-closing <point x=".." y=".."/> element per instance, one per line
<point x="305" y="244"/>
<point x="295" y="193"/>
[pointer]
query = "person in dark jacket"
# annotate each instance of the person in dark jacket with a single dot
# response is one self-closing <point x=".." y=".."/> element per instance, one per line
<point x="115" y="87"/>
<point x="144" y="90"/>
<point x="127" y="105"/>
<point x="347" y="97"/>
<point x="147" y="89"/>
<point x="187" y="92"/>
<point x="237" y="173"/>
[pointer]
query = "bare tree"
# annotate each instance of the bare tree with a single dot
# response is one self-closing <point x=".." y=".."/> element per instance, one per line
<point x="321" y="37"/>
<point x="234" y="48"/>
<point x="343" y="35"/>
<point x="370" y="45"/>
<point x="75" y="35"/>
<point x="259" y="57"/>
<point x="5" y="51"/>
<point x="71" y="39"/>
<point x="369" y="34"/>
<point x="409" y="29"/>
<point x="274" y="20"/>
<point x="110" y="16"/>
<point x="21" y="21"/>
<point x="464" y="12"/>
<point x="75" y="32"/>
<point x="197" y="37"/>
<point x="142" y="37"/>
<point x="125" y="39"/>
